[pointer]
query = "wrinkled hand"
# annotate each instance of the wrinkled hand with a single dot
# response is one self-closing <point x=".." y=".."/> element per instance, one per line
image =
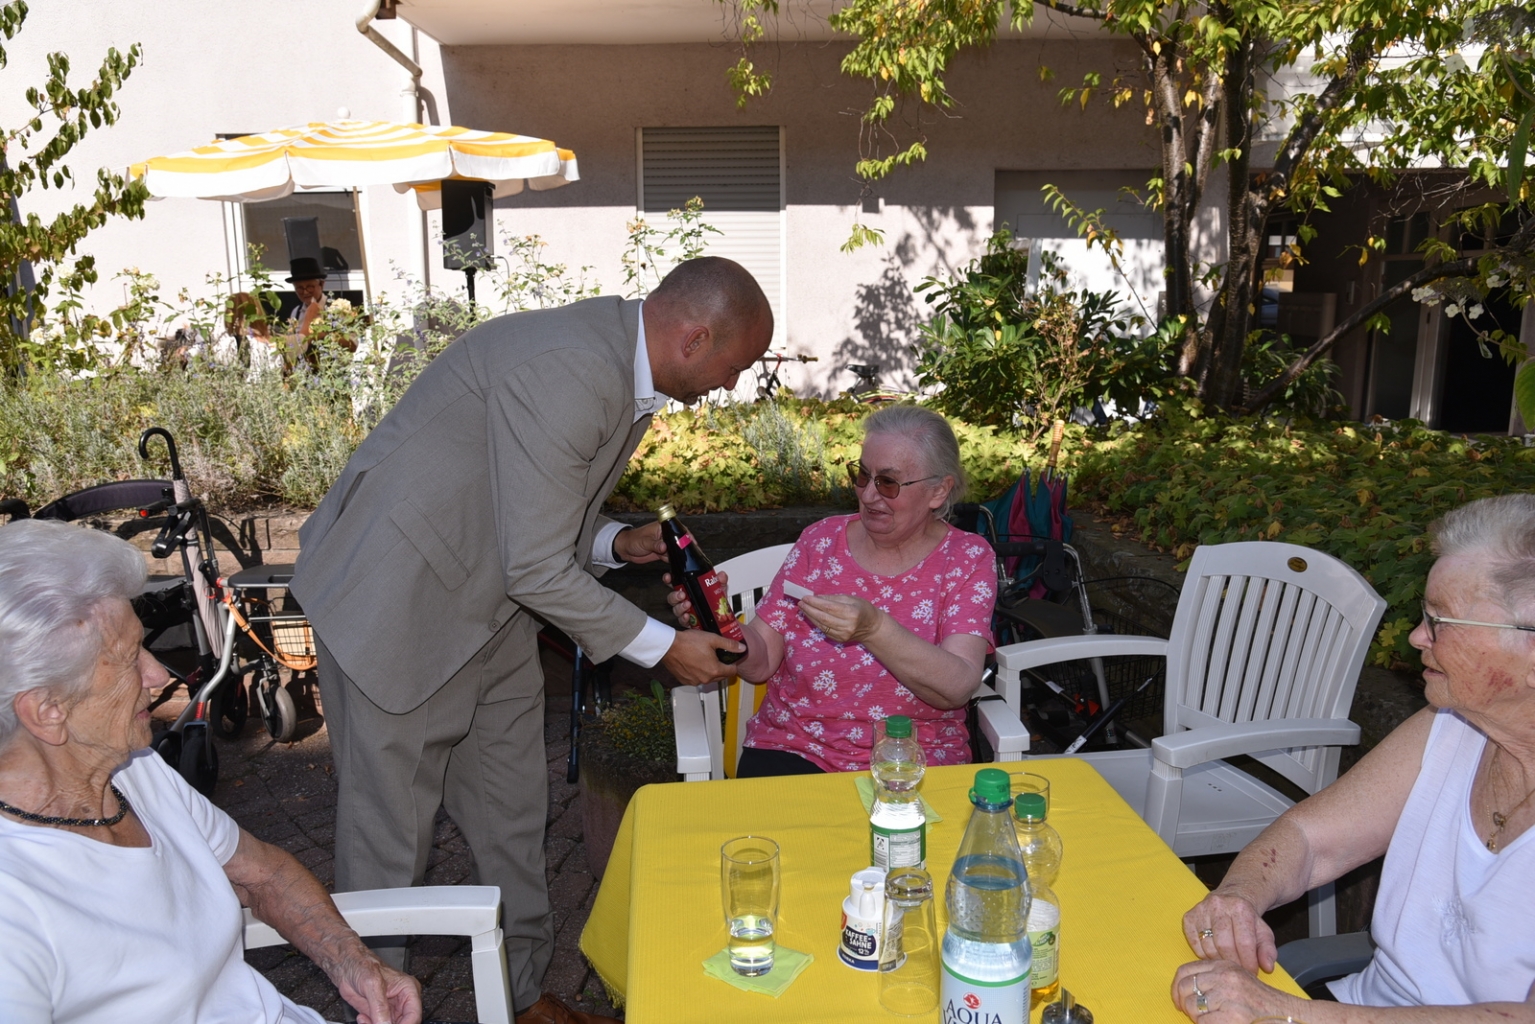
<point x="682" y="608"/>
<point x="379" y="993"/>
<point x="691" y="657"/>
<point x="1231" y="995"/>
<point x="1240" y="932"/>
<point x="640" y="545"/>
<point x="842" y="617"/>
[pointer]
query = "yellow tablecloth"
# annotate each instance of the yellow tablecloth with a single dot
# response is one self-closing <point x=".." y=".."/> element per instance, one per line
<point x="657" y="915"/>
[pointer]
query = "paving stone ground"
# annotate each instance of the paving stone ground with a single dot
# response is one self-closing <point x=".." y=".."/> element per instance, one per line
<point x="285" y="794"/>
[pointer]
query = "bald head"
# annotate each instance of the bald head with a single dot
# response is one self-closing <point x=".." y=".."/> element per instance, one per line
<point x="704" y="324"/>
<point x="714" y="291"/>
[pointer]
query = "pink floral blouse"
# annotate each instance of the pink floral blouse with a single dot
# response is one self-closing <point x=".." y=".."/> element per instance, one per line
<point x="825" y="697"/>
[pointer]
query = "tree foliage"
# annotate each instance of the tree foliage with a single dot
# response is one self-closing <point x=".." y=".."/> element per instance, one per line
<point x="1371" y="88"/>
<point x="1001" y="354"/>
<point x="38" y="256"/>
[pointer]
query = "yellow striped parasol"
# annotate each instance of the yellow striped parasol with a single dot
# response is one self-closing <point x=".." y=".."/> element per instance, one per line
<point x="352" y="154"/>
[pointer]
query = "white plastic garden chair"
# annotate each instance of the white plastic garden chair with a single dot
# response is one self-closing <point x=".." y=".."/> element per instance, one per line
<point x="702" y="751"/>
<point x="1263" y="659"/>
<point x="472" y="910"/>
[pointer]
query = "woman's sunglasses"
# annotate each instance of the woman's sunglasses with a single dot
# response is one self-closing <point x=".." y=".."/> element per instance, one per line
<point x="887" y="486"/>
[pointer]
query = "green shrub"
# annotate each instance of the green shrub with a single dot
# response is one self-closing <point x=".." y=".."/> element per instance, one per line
<point x="243" y="442"/>
<point x="1363" y="494"/>
<point x="999" y="356"/>
<point x="639" y="727"/>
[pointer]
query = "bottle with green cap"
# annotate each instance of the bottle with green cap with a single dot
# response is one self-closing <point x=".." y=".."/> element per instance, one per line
<point x="986" y="951"/>
<point x="897" y="823"/>
<point x="1040" y="846"/>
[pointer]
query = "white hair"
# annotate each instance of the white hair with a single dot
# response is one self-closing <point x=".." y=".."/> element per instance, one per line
<point x="933" y="438"/>
<point x="1504" y="528"/>
<point x="54" y="578"/>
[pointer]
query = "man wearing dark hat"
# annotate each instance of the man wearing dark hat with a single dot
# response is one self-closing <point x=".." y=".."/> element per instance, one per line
<point x="307" y="277"/>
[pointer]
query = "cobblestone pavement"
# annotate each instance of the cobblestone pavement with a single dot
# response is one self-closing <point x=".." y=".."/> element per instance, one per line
<point x="285" y="794"/>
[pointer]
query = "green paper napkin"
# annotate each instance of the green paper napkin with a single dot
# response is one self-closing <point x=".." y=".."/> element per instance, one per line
<point x="787" y="965"/>
<point x="865" y="786"/>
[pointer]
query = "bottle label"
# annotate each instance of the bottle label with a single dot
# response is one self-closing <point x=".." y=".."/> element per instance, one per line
<point x="1047" y="957"/>
<point x="967" y="1001"/>
<point x="719" y="605"/>
<point x="898" y="848"/>
<point x="859" y="948"/>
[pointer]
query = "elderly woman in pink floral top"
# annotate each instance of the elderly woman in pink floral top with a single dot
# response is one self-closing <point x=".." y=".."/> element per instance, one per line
<point x="899" y="620"/>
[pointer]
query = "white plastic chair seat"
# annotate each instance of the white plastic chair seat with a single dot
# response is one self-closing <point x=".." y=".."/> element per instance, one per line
<point x="1223" y="810"/>
<point x="469" y="910"/>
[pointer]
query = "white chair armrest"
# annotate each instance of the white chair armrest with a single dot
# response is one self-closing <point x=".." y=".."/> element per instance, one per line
<point x="422" y="910"/>
<point x="1211" y="742"/>
<point x="470" y="910"/>
<point x="1034" y="653"/>
<point x="693" y="760"/>
<point x="1008" y="736"/>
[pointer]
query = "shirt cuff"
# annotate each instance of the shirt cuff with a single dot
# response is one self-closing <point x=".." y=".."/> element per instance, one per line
<point x="602" y="547"/>
<point x="651" y="645"/>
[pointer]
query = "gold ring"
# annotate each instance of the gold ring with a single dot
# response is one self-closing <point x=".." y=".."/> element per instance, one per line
<point x="1207" y="933"/>
<point x="1201" y="1004"/>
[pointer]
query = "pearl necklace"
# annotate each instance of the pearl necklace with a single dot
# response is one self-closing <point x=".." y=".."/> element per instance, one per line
<point x="49" y="819"/>
<point x="1499" y="819"/>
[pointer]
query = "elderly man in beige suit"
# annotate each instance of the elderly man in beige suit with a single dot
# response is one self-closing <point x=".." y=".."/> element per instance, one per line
<point x="468" y="515"/>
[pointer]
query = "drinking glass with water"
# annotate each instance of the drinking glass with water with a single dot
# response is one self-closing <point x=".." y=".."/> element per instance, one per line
<point x="749" y="879"/>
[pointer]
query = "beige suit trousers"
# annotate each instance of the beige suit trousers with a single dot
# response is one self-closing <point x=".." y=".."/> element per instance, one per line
<point x="476" y="748"/>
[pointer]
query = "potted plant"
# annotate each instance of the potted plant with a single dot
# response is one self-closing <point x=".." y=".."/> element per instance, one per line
<point x="628" y="745"/>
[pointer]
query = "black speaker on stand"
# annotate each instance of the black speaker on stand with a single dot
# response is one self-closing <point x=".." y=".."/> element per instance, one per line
<point x="467" y="242"/>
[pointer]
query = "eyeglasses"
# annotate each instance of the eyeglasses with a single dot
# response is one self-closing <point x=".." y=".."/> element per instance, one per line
<point x="1433" y="621"/>
<point x="888" y="487"/>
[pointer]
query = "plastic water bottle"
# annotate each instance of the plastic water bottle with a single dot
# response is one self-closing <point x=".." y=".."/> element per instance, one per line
<point x="1040" y="846"/>
<point x="897" y="823"/>
<point x="986" y="952"/>
<point x="1038" y="842"/>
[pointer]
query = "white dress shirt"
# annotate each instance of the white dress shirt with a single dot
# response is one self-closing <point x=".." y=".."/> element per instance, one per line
<point x="656" y="638"/>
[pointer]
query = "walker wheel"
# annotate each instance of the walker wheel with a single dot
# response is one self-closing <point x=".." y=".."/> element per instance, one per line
<point x="200" y="764"/>
<point x="231" y="707"/>
<point x="280" y="714"/>
<point x="168" y="746"/>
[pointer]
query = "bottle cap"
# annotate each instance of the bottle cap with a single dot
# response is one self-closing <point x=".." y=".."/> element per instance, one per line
<point x="1029" y="806"/>
<point x="898" y="727"/>
<point x="992" y="786"/>
<point x="665" y="512"/>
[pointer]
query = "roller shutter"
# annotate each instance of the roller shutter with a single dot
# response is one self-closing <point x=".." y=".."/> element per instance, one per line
<point x="738" y="173"/>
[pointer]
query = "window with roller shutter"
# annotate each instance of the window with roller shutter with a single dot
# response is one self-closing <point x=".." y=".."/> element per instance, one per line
<point x="738" y="173"/>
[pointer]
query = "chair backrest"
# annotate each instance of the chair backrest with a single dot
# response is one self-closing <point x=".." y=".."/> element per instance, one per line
<point x="749" y="575"/>
<point x="469" y="910"/>
<point x="1269" y="631"/>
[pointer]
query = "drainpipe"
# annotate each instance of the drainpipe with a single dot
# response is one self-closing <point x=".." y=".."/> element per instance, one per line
<point x="412" y="95"/>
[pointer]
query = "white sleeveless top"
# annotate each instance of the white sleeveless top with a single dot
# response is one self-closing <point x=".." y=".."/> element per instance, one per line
<point x="1454" y="923"/>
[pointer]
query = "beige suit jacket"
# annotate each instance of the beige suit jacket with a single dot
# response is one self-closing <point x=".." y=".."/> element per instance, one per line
<point x="476" y="497"/>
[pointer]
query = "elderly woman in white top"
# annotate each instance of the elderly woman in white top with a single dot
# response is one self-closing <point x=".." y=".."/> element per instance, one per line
<point x="1448" y="797"/>
<point x="121" y="886"/>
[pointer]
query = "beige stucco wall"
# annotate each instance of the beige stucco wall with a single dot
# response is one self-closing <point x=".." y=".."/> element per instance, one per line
<point x="844" y="308"/>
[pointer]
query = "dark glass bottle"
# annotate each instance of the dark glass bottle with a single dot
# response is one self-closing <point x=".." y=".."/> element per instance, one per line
<point x="694" y="575"/>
